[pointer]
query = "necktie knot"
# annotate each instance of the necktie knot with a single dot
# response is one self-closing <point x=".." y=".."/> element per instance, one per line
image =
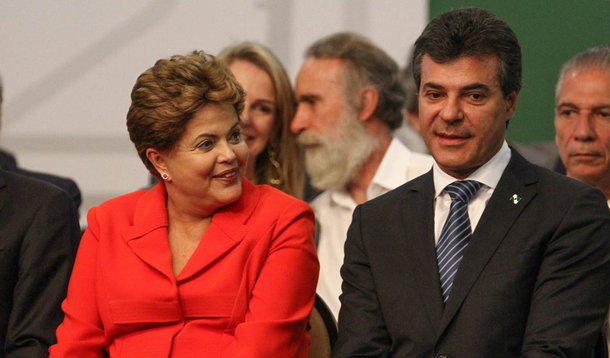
<point x="462" y="190"/>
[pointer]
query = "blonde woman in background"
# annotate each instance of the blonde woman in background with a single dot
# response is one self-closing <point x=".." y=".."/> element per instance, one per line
<point x="275" y="157"/>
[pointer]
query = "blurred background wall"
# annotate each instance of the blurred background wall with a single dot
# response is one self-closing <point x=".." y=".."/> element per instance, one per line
<point x="68" y="67"/>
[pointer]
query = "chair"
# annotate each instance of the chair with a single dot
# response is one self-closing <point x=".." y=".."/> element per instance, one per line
<point x="323" y="330"/>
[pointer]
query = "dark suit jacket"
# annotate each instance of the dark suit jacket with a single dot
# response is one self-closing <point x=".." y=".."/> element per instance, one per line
<point x="38" y="237"/>
<point x="9" y="163"/>
<point x="533" y="281"/>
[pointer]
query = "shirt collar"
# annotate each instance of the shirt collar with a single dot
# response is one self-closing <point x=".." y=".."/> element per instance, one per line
<point x="393" y="168"/>
<point x="488" y="174"/>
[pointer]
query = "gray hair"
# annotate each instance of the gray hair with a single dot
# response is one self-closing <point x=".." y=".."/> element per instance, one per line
<point x="594" y="57"/>
<point x="367" y="64"/>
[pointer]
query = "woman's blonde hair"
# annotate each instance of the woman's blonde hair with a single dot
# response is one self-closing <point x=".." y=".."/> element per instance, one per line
<point x="281" y="164"/>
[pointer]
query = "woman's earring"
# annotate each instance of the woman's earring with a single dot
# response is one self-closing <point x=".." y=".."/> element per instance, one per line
<point x="165" y="176"/>
<point x="276" y="177"/>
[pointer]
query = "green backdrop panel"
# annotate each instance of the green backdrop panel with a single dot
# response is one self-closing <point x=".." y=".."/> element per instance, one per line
<point x="549" y="32"/>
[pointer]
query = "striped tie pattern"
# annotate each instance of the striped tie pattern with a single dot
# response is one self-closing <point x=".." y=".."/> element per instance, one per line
<point x="456" y="232"/>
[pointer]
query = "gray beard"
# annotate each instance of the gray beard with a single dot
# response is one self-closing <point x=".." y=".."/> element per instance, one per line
<point x="335" y="162"/>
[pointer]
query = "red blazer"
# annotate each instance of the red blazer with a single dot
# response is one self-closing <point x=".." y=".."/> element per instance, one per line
<point x="247" y="290"/>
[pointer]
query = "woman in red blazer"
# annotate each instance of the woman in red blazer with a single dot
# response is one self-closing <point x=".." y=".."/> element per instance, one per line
<point x="205" y="263"/>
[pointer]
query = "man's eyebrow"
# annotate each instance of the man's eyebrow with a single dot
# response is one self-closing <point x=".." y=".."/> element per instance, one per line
<point x="469" y="87"/>
<point x="307" y="97"/>
<point x="567" y="104"/>
<point x="432" y="85"/>
<point x="476" y="86"/>
<point x="573" y="105"/>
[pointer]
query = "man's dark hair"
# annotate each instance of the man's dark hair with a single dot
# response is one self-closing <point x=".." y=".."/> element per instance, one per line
<point x="470" y="32"/>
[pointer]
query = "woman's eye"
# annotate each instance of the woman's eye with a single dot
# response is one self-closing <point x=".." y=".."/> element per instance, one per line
<point x="235" y="137"/>
<point x="262" y="108"/>
<point x="206" y="145"/>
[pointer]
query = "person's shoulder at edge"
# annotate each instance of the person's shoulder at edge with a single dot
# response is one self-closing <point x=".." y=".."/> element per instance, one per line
<point x="28" y="188"/>
<point x="9" y="164"/>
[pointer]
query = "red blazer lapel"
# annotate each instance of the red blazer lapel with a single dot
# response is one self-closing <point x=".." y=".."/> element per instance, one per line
<point x="147" y="237"/>
<point x="226" y="230"/>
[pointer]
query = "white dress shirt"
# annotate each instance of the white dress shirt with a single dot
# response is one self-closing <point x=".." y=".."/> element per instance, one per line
<point x="488" y="174"/>
<point x="333" y="210"/>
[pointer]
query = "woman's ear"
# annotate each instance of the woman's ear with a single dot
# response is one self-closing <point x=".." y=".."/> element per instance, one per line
<point x="369" y="99"/>
<point x="157" y="160"/>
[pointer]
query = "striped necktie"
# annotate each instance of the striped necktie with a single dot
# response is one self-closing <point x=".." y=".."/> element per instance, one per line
<point x="456" y="232"/>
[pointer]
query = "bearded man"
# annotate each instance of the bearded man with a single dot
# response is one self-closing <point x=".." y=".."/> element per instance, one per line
<point x="350" y="99"/>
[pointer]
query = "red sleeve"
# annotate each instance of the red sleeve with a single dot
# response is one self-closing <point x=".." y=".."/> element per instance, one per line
<point x="284" y="292"/>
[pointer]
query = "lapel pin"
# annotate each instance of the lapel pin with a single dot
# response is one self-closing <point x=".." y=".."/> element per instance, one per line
<point x="515" y="199"/>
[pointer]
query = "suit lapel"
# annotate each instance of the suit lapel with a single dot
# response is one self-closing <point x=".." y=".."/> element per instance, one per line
<point x="495" y="223"/>
<point x="418" y="208"/>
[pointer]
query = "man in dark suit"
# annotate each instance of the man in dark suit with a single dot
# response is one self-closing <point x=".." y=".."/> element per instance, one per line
<point x="518" y="267"/>
<point x="39" y="233"/>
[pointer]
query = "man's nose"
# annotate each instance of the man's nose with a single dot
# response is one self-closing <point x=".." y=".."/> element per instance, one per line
<point x="452" y="110"/>
<point x="300" y="121"/>
<point x="583" y="128"/>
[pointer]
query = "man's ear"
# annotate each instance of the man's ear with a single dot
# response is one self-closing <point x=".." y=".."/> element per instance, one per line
<point x="511" y="101"/>
<point x="511" y="106"/>
<point x="157" y="160"/>
<point x="369" y="99"/>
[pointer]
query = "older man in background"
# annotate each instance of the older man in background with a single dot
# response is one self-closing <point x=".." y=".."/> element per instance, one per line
<point x="582" y="120"/>
<point x="350" y="99"/>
